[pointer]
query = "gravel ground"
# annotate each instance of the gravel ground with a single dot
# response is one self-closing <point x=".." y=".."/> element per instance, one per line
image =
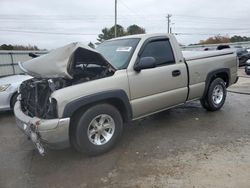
<point x="182" y="147"/>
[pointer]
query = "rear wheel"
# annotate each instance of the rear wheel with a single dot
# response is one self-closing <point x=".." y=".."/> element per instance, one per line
<point x="216" y="95"/>
<point x="97" y="130"/>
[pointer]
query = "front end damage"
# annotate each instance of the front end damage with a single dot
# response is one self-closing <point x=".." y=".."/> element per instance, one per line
<point x="43" y="132"/>
<point x="36" y="111"/>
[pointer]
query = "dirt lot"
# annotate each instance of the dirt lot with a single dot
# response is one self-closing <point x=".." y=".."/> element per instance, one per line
<point x="182" y="147"/>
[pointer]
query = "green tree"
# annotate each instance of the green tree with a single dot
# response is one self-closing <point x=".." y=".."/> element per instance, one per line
<point x="18" y="47"/>
<point x="216" y="40"/>
<point x="6" y="47"/>
<point x="237" y="38"/>
<point x="109" y="33"/>
<point x="135" y="29"/>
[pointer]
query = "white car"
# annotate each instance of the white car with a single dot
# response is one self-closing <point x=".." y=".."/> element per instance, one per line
<point x="8" y="90"/>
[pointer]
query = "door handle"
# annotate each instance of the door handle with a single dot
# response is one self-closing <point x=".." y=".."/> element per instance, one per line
<point x="176" y="73"/>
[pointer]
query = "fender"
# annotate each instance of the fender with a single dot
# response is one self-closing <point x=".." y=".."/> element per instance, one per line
<point x="213" y="74"/>
<point x="119" y="95"/>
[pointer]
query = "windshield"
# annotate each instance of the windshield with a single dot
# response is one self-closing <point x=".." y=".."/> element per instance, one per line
<point x="118" y="52"/>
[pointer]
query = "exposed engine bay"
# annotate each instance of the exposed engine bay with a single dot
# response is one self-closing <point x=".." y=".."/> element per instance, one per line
<point x="36" y="92"/>
<point x="69" y="65"/>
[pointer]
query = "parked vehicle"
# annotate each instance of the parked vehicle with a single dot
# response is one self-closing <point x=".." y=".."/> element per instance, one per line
<point x="8" y="90"/>
<point x="82" y="98"/>
<point x="242" y="53"/>
<point x="243" y="56"/>
<point x="222" y="47"/>
<point x="247" y="67"/>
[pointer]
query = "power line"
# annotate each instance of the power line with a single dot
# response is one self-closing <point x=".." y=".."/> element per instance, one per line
<point x="179" y="20"/>
<point x="211" y="28"/>
<point x="231" y="33"/>
<point x="91" y="18"/>
<point x="45" y="32"/>
<point x="204" y="17"/>
<point x="131" y="10"/>
<point x="80" y="16"/>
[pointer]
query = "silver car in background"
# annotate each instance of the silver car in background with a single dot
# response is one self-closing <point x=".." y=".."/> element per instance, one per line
<point x="8" y="90"/>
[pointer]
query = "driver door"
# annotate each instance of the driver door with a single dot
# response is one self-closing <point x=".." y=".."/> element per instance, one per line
<point x="155" y="89"/>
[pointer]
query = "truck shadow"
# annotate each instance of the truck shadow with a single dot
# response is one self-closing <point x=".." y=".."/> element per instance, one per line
<point x="156" y="137"/>
<point x="156" y="123"/>
<point x="8" y="113"/>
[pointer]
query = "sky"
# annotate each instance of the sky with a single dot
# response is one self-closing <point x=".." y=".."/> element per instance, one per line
<point x="52" y="23"/>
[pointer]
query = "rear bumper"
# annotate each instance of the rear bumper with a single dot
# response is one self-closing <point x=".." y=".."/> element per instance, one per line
<point x="52" y="132"/>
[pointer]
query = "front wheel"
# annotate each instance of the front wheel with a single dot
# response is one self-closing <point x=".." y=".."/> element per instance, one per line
<point x="97" y="130"/>
<point x="216" y="95"/>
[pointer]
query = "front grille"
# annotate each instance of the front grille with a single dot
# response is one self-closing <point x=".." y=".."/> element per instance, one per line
<point x="28" y="99"/>
<point x="35" y="98"/>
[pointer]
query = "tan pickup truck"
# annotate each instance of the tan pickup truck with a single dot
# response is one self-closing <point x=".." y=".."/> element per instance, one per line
<point x="82" y="97"/>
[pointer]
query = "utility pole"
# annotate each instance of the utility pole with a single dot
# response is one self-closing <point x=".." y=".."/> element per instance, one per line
<point x="171" y="28"/>
<point x="169" y="21"/>
<point x="115" y="18"/>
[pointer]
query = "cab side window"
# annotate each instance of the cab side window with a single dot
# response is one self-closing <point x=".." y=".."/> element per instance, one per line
<point x="161" y="50"/>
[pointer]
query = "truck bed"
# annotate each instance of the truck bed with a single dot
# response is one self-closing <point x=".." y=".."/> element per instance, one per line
<point x="201" y="63"/>
<point x="193" y="55"/>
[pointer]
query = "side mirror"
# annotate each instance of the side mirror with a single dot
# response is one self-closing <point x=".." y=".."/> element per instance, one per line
<point x="145" y="63"/>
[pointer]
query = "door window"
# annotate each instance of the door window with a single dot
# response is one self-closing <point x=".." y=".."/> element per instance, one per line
<point x="161" y="50"/>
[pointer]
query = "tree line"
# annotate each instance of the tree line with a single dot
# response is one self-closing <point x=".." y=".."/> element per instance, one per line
<point x="109" y="33"/>
<point x="18" y="47"/>
<point x="224" y="39"/>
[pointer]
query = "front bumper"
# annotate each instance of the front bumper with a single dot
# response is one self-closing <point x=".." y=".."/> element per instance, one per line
<point x="53" y="133"/>
<point x="5" y="98"/>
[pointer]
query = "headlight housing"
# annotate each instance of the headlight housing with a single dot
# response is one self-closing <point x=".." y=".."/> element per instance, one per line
<point x="4" y="87"/>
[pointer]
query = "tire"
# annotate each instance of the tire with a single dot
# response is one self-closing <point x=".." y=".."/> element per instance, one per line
<point x="216" y="95"/>
<point x="88" y="134"/>
<point x="204" y="103"/>
<point x="247" y="70"/>
<point x="13" y="100"/>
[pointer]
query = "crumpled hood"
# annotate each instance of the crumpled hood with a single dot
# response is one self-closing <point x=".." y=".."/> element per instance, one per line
<point x="59" y="62"/>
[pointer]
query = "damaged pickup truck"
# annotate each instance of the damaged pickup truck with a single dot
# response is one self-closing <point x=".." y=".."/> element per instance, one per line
<point x="82" y="97"/>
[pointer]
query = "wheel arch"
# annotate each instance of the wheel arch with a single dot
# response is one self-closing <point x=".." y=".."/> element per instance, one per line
<point x="11" y="98"/>
<point x="223" y="73"/>
<point x="117" y="98"/>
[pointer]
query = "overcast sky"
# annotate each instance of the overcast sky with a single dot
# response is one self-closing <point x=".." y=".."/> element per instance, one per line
<point x="50" y="23"/>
